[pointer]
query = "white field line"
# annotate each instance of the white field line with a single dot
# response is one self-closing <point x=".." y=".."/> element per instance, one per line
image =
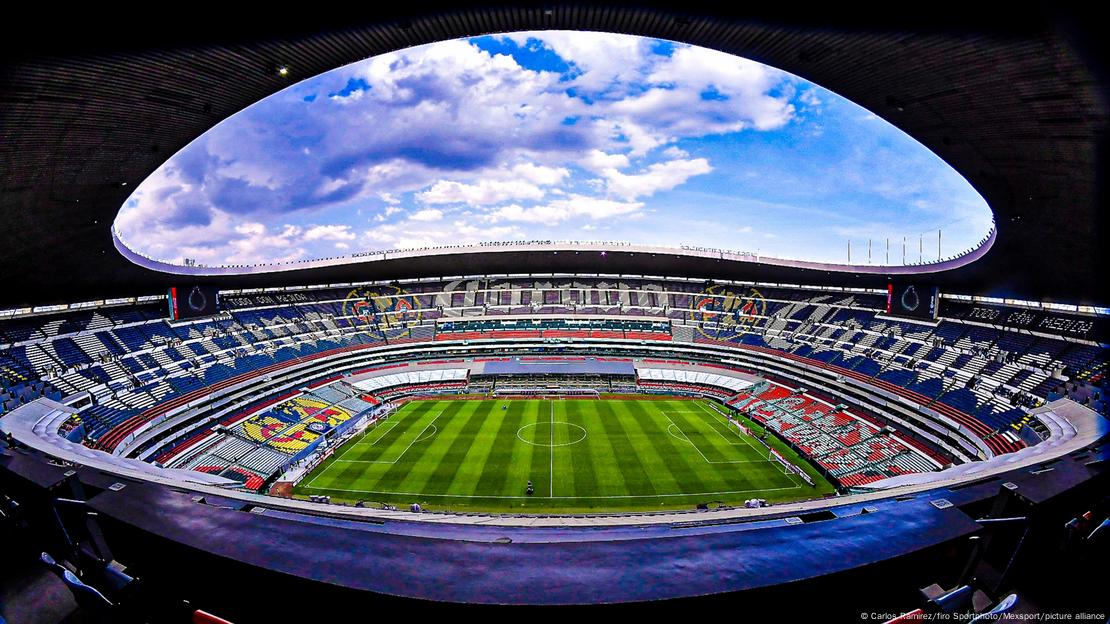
<point x="686" y="439"/>
<point x="736" y="440"/>
<point x="398" y="458"/>
<point x="393" y="423"/>
<point x="359" y="442"/>
<point x="717" y="415"/>
<point x="707" y="460"/>
<point x="552" y="464"/>
<point x="362" y="441"/>
<point x="435" y="430"/>
<point x="551" y="454"/>
<point x="424" y="495"/>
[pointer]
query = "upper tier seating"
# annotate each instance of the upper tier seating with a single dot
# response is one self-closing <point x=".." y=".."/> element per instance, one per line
<point x="133" y="363"/>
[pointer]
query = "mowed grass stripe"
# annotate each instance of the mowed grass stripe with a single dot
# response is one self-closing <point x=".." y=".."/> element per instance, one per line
<point x="757" y="473"/>
<point x="720" y="423"/>
<point x="656" y="454"/>
<point x="498" y="459"/>
<point x="762" y="474"/>
<point x="721" y="476"/>
<point x="823" y="486"/>
<point x="574" y="468"/>
<point x="412" y="468"/>
<point x="594" y="456"/>
<point x="629" y="464"/>
<point x="473" y="458"/>
<point x="521" y="459"/>
<point x="675" y="468"/>
<point x="473" y="464"/>
<point x="715" y="429"/>
<point x="414" y="417"/>
<point x="715" y="448"/>
<point x="433" y="464"/>
<point x="386" y="477"/>
<point x="348" y="469"/>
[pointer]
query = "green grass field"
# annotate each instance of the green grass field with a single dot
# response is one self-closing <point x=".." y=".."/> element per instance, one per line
<point x="581" y="456"/>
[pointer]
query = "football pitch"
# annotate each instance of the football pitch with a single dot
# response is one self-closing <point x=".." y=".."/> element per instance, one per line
<point x="580" y="455"/>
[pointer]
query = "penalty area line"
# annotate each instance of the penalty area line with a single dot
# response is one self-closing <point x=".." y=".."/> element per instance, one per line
<point x="414" y="441"/>
<point x="684" y="438"/>
<point x="717" y="416"/>
<point x="340" y="459"/>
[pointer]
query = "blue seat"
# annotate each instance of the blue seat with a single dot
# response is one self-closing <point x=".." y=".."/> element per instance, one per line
<point x="87" y="596"/>
<point x="1004" y="606"/>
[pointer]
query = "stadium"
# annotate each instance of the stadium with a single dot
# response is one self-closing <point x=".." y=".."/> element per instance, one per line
<point x="473" y="408"/>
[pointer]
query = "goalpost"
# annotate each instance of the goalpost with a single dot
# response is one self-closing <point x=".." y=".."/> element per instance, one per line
<point x="729" y="418"/>
<point x="787" y="467"/>
<point x="773" y="456"/>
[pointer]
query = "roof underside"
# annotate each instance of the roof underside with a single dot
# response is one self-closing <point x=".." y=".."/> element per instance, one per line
<point x="1020" y="111"/>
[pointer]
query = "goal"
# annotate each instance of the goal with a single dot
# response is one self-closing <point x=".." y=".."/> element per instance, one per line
<point x="787" y="467"/>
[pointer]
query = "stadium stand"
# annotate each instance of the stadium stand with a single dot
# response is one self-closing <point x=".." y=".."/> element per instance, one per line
<point x="135" y="367"/>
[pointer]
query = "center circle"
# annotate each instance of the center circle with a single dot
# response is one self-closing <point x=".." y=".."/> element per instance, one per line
<point x="551" y="434"/>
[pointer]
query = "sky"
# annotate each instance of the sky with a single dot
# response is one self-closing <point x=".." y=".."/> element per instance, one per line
<point x="552" y="136"/>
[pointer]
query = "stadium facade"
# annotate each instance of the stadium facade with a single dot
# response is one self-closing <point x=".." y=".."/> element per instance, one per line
<point x="150" y="430"/>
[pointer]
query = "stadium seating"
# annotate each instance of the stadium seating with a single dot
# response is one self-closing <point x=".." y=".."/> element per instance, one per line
<point x="851" y="449"/>
<point x="135" y="366"/>
<point x="263" y="439"/>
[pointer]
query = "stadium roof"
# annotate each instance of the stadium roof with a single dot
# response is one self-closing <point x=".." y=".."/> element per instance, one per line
<point x="91" y="108"/>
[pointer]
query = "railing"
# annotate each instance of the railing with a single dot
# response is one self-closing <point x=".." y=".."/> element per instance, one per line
<point x="601" y="247"/>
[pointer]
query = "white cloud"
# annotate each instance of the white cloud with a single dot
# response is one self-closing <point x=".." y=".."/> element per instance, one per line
<point x="427" y="215"/>
<point x="747" y="84"/>
<point x="598" y="161"/>
<point x="250" y="229"/>
<point x="441" y="124"/>
<point x="537" y="174"/>
<point x="523" y="181"/>
<point x="557" y="211"/>
<point x="662" y="176"/>
<point x="484" y="193"/>
<point x="452" y="144"/>
<point x="472" y="232"/>
<point x="255" y="244"/>
<point x="606" y="63"/>
<point x="329" y="232"/>
<point x="416" y="234"/>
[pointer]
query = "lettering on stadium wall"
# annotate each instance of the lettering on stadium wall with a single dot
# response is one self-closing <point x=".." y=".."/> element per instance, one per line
<point x="1044" y="321"/>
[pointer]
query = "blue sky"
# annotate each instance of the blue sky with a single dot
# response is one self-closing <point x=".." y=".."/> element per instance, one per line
<point x="552" y="135"/>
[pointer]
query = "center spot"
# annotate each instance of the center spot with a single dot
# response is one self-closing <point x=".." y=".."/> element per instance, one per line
<point x="556" y="433"/>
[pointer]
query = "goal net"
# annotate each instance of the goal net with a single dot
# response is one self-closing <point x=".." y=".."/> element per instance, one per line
<point x="729" y="418"/>
<point x="787" y="467"/>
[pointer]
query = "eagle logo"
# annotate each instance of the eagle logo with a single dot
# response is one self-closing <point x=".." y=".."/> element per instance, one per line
<point x="721" y="314"/>
<point x="385" y="309"/>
